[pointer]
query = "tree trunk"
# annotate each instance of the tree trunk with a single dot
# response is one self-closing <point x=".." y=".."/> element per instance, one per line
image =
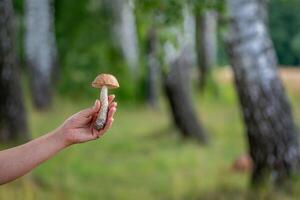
<point x="125" y="32"/>
<point x="187" y="40"/>
<point x="40" y="50"/>
<point x="152" y="69"/>
<point x="13" y="124"/>
<point x="267" y="114"/>
<point x="176" y="85"/>
<point x="206" y="44"/>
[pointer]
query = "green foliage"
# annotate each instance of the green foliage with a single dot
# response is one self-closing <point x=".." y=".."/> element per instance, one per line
<point x="160" y="12"/>
<point x="18" y="6"/>
<point x="160" y="15"/>
<point x="87" y="48"/>
<point x="284" y="21"/>
<point x="200" y="5"/>
<point x="295" y="46"/>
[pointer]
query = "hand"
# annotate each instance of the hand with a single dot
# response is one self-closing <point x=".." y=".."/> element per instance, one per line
<point x="80" y="126"/>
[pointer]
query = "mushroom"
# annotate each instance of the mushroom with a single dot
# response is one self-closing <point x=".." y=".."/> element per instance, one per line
<point x="105" y="82"/>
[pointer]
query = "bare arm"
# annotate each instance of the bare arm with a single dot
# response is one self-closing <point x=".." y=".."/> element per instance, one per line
<point x="17" y="161"/>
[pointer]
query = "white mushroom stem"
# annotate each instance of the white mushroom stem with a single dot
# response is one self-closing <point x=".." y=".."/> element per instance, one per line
<point x="101" y="119"/>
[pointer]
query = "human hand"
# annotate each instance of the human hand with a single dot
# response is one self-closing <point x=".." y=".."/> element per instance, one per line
<point x="80" y="126"/>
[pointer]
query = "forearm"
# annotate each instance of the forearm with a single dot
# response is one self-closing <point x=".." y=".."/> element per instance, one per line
<point x="19" y="160"/>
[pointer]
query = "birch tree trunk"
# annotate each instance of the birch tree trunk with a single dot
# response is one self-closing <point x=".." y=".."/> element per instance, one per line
<point x="271" y="131"/>
<point x="125" y="32"/>
<point x="206" y="43"/>
<point x="13" y="124"/>
<point x="176" y="85"/>
<point x="153" y="74"/>
<point x="187" y="40"/>
<point x="40" y="50"/>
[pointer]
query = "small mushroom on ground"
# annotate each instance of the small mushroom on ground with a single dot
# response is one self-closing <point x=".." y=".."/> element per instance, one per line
<point x="243" y="163"/>
<point x="105" y="82"/>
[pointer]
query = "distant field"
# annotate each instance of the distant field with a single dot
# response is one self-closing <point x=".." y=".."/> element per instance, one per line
<point x="289" y="75"/>
<point x="142" y="156"/>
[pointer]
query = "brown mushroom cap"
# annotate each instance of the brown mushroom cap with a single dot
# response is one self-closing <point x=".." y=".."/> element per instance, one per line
<point x="107" y="80"/>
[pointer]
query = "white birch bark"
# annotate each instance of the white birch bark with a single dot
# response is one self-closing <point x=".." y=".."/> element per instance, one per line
<point x="126" y="33"/>
<point x="271" y="131"/>
<point x="187" y="40"/>
<point x="40" y="49"/>
<point x="177" y="80"/>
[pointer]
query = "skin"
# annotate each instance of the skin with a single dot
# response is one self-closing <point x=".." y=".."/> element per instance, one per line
<point x="78" y="128"/>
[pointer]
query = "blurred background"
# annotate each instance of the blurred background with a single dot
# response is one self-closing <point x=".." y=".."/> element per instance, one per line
<point x="208" y="104"/>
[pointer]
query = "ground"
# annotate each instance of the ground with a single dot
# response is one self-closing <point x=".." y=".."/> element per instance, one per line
<point x="142" y="157"/>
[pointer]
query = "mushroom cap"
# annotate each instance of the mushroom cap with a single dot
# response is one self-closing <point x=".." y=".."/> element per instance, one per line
<point x="107" y="80"/>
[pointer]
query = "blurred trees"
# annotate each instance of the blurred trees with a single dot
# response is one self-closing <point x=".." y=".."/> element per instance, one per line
<point x="206" y="43"/>
<point x="112" y="35"/>
<point x="177" y="88"/>
<point x="153" y="71"/>
<point x="125" y="32"/>
<point x="40" y="50"/>
<point x="155" y="19"/>
<point x="87" y="46"/>
<point x="177" y="80"/>
<point x="13" y="124"/>
<point x="271" y="131"/>
<point x="173" y="38"/>
<point x="84" y="31"/>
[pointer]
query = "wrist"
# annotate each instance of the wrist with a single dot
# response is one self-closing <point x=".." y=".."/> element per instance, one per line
<point x="60" y="138"/>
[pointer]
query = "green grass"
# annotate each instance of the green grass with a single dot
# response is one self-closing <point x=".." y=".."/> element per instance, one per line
<point x="142" y="156"/>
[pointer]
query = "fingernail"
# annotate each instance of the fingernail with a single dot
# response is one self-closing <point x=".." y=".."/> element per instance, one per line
<point x="95" y="104"/>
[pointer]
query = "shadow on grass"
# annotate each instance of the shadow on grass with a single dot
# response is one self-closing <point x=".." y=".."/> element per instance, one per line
<point x="170" y="132"/>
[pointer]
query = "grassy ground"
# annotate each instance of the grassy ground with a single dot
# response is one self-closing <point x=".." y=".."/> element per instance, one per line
<point x="142" y="156"/>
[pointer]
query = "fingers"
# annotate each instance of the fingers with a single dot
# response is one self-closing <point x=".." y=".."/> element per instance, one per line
<point x="111" y="98"/>
<point x="95" y="115"/>
<point x="111" y="112"/>
<point x="109" y="122"/>
<point x="90" y="111"/>
<point x="113" y="104"/>
<point x="104" y="130"/>
<point x="110" y="119"/>
<point x="83" y="122"/>
<point x="107" y="126"/>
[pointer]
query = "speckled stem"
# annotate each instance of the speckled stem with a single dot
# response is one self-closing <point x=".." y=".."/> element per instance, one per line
<point x="101" y="119"/>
